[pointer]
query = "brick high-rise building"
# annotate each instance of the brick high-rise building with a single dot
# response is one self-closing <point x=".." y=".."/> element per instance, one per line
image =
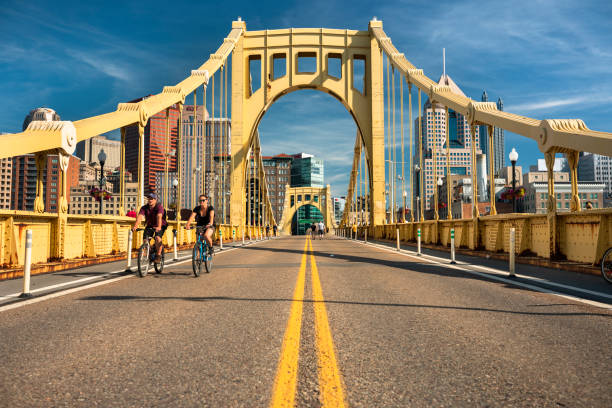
<point x="278" y="176"/>
<point x="157" y="145"/>
<point x="6" y="181"/>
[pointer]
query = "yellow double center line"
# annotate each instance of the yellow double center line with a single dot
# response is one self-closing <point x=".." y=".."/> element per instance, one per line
<point x="330" y="381"/>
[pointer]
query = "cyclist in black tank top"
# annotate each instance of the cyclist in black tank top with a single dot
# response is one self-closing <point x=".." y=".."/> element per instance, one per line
<point x="204" y="216"/>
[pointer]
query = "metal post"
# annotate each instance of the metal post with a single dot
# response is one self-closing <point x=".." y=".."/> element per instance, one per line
<point x="397" y="239"/>
<point x="513" y="187"/>
<point x="365" y="239"/>
<point x="242" y="236"/>
<point x="512" y="244"/>
<point x="220" y="238"/>
<point x="453" y="246"/>
<point x="419" y="242"/>
<point x="128" y="268"/>
<point x="27" y="265"/>
<point x="174" y="244"/>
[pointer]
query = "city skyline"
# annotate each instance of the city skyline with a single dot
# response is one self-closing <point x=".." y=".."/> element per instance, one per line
<point x="535" y="64"/>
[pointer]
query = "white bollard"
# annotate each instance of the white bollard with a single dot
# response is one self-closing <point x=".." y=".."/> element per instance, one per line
<point x="512" y="245"/>
<point x="27" y="265"/>
<point x="128" y="267"/>
<point x="453" y="246"/>
<point x="220" y="239"/>
<point x="243" y="237"/>
<point x="365" y="237"/>
<point x="397" y="245"/>
<point x="419" y="242"/>
<point x="174" y="244"/>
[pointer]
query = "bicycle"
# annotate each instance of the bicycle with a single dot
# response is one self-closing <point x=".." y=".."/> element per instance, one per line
<point x="200" y="253"/>
<point x="606" y="265"/>
<point x="146" y="256"/>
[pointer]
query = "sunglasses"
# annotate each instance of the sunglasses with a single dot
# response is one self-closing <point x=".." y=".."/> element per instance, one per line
<point x="204" y="200"/>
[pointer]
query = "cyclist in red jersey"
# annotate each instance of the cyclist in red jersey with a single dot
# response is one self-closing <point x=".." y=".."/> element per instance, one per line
<point x="154" y="215"/>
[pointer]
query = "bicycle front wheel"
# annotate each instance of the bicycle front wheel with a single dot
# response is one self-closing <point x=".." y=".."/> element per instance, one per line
<point x="196" y="259"/>
<point x="159" y="267"/>
<point x="143" y="260"/>
<point x="606" y="265"/>
<point x="208" y="263"/>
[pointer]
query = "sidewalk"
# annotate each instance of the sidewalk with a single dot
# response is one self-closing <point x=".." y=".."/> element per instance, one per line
<point x="48" y="283"/>
<point x="589" y="286"/>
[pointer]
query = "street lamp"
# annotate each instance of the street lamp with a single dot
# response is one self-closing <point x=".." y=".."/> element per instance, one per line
<point x="417" y="170"/>
<point x="101" y="160"/>
<point x="513" y="158"/>
<point x="405" y="194"/>
<point x="176" y="209"/>
<point x="439" y="186"/>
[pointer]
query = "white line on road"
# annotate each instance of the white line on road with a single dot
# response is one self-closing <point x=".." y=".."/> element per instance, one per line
<point x="91" y="285"/>
<point x="493" y="274"/>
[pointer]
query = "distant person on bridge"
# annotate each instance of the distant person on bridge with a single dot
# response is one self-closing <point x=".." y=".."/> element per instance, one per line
<point x="155" y="216"/>
<point x="204" y="216"/>
<point x="313" y="228"/>
<point x="267" y="230"/>
<point x="275" y="229"/>
<point x="321" y="228"/>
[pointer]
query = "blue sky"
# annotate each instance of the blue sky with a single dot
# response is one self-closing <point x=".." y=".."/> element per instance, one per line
<point x="546" y="59"/>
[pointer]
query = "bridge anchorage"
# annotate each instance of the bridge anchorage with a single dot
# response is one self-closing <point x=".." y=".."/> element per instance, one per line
<point x="371" y="73"/>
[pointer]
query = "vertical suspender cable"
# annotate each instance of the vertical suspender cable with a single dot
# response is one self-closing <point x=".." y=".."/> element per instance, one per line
<point x="411" y="147"/>
<point x="204" y="142"/>
<point x="213" y="171"/>
<point x="227" y="150"/>
<point x="394" y="161"/>
<point x="420" y="146"/>
<point x="388" y="179"/>
<point x="166" y="189"/>
<point x="220" y="155"/>
<point x="402" y="148"/>
<point x="449" y="213"/>
<point x="179" y="165"/>
<point x="194" y="147"/>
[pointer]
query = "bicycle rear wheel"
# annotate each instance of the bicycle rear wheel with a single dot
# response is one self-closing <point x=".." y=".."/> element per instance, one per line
<point x="143" y="260"/>
<point x="196" y="259"/>
<point x="606" y="265"/>
<point x="208" y="260"/>
<point x="159" y="267"/>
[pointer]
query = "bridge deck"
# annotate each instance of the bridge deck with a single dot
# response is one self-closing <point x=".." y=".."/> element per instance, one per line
<point x="403" y="331"/>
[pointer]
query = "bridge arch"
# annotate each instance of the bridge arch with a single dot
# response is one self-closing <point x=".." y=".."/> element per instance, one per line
<point x="298" y="197"/>
<point x="350" y="50"/>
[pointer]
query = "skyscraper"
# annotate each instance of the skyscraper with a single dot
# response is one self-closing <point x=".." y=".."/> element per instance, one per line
<point x="307" y="171"/>
<point x="499" y="156"/>
<point x="434" y="142"/>
<point x="158" y="146"/>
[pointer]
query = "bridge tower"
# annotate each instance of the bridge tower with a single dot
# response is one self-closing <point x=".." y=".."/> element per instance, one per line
<point x="270" y="48"/>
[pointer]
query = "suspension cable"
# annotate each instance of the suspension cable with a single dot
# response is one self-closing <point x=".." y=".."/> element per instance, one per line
<point x="403" y="161"/>
<point x="394" y="160"/>
<point x="227" y="152"/>
<point x="388" y="192"/>
<point x="421" y="199"/>
<point x="411" y="147"/>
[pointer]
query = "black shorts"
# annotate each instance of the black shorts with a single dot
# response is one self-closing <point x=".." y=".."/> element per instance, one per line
<point x="159" y="233"/>
<point x="203" y="228"/>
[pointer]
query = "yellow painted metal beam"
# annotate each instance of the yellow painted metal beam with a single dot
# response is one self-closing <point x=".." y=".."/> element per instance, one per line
<point x="560" y="135"/>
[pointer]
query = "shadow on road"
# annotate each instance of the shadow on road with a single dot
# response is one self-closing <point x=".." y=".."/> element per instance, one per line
<point x="341" y="302"/>
<point x="413" y="266"/>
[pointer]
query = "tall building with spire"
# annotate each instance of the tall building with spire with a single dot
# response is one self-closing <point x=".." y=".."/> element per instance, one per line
<point x="499" y="157"/>
<point x="434" y="143"/>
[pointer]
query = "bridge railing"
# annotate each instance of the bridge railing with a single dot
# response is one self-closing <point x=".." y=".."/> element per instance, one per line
<point x="87" y="237"/>
<point x="580" y="237"/>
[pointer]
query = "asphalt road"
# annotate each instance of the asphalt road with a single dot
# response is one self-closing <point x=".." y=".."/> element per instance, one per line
<point x="273" y="325"/>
